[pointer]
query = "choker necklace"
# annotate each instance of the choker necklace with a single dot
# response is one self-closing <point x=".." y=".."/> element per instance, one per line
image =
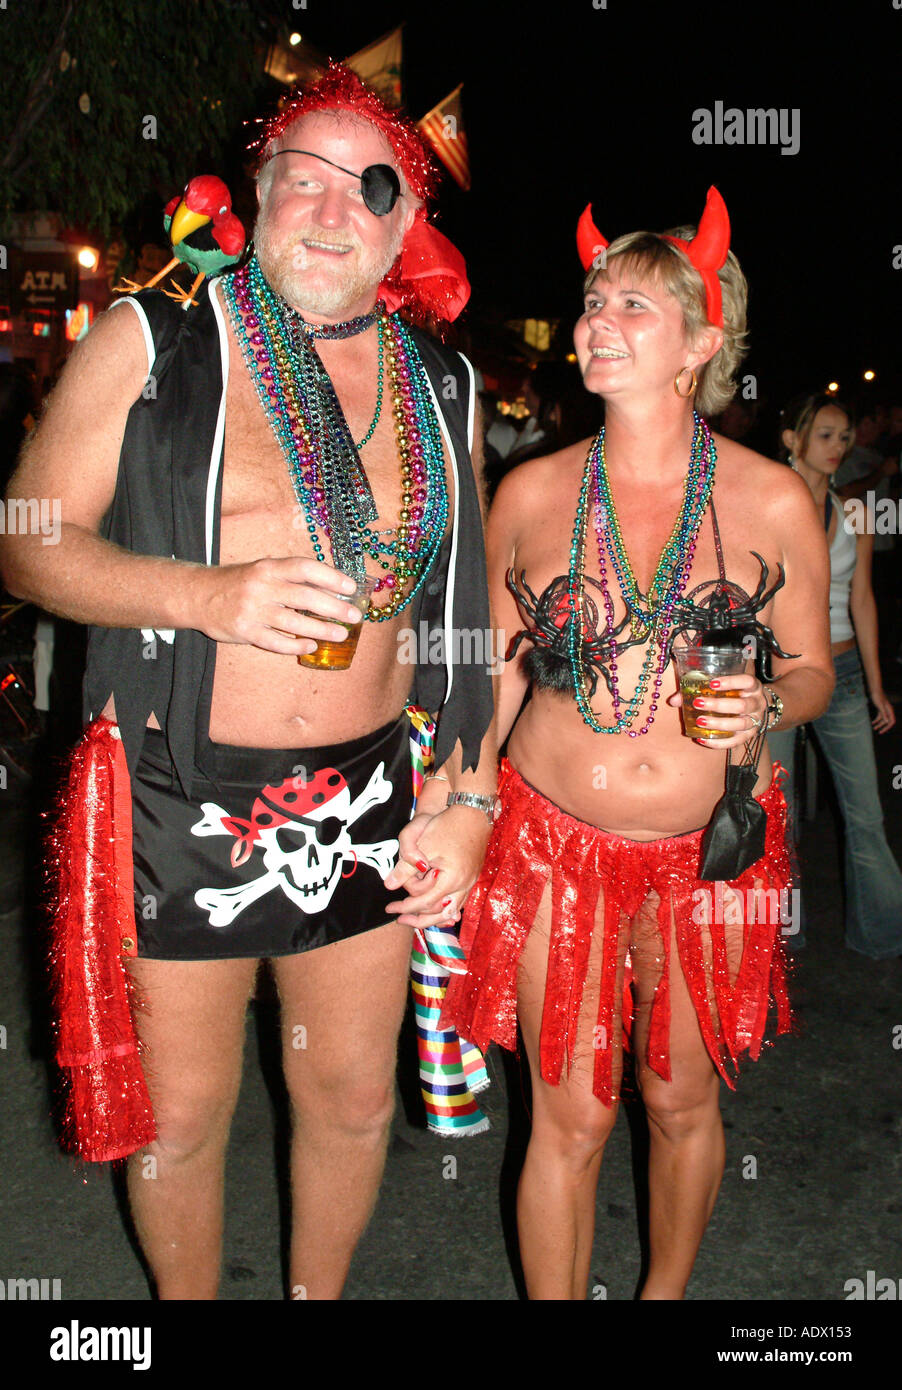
<point x="328" y="478"/>
<point x="299" y="329"/>
<point x="348" y="329"/>
<point x="651" y="614"/>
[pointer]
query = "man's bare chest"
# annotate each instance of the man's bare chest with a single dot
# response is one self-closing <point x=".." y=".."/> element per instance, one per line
<point x="263" y="488"/>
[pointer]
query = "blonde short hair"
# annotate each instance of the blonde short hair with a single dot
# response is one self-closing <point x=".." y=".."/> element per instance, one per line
<point x="648" y="254"/>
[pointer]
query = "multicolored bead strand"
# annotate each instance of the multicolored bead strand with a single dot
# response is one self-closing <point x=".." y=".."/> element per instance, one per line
<point x="326" y="473"/>
<point x="651" y="615"/>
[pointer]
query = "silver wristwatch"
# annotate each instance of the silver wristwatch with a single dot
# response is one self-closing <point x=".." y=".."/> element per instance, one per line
<point x="774" y="708"/>
<point x="489" y="805"/>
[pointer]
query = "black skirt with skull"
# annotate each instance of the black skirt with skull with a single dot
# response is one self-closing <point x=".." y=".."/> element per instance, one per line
<point x="277" y="851"/>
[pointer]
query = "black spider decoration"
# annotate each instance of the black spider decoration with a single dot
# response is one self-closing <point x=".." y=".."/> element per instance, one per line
<point x="728" y="608"/>
<point x="548" y="664"/>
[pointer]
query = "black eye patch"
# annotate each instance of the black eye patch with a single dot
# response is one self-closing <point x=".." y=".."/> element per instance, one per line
<point x="379" y="184"/>
<point x="327" y="832"/>
<point x="380" y="188"/>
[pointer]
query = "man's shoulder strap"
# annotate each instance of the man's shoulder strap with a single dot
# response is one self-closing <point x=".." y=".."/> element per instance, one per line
<point x="452" y="381"/>
<point x="165" y="322"/>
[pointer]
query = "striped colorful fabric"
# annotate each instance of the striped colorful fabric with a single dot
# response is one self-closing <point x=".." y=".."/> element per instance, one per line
<point x="474" y="1069"/>
<point x="443" y="948"/>
<point x="452" y="1070"/>
<point x="422" y="737"/>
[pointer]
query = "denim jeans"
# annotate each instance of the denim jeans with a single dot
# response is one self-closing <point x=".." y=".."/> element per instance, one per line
<point x="873" y="881"/>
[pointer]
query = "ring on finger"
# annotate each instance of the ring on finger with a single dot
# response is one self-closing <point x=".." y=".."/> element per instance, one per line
<point x="756" y="720"/>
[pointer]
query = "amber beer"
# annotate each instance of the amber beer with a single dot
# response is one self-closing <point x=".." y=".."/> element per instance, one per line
<point x="697" y="667"/>
<point x="337" y="656"/>
<point x="692" y="685"/>
<point x="333" y="656"/>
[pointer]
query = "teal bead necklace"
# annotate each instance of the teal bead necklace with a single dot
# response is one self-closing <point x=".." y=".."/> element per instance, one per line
<point x="651" y="614"/>
<point x="323" y="461"/>
<point x="381" y="377"/>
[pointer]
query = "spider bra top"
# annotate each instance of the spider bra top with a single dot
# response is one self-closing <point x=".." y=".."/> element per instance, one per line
<point x="730" y="610"/>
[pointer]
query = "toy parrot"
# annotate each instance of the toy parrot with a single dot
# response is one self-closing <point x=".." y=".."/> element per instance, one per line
<point x="203" y="231"/>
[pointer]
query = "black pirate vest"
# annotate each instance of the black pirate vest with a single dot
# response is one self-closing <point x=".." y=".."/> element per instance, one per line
<point x="168" y="501"/>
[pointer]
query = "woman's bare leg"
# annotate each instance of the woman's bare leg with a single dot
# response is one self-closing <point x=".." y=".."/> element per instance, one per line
<point x="570" y="1126"/>
<point x="686" y="1159"/>
<point x="192" y="1024"/>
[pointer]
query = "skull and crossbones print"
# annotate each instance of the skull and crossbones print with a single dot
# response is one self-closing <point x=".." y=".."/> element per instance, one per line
<point x="302" y="827"/>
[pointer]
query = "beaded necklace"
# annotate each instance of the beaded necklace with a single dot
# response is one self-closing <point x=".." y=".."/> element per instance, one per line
<point x="297" y="326"/>
<point x="328" y="478"/>
<point x="651" y="614"/>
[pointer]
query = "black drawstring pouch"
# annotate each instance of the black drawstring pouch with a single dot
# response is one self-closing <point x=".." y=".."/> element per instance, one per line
<point x="733" y="839"/>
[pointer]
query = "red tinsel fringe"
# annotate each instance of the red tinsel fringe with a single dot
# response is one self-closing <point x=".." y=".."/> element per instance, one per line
<point x="430" y="277"/>
<point x="108" y="1114"/>
<point x="533" y="841"/>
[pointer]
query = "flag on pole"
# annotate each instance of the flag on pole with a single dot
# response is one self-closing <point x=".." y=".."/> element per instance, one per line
<point x="290" y="64"/>
<point x="379" y="66"/>
<point x="444" y="129"/>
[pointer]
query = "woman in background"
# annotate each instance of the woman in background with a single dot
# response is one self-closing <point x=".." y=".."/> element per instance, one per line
<point x="816" y="434"/>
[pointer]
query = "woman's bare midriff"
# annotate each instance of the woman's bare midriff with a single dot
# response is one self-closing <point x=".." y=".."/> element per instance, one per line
<point x="646" y="788"/>
<point x="660" y="783"/>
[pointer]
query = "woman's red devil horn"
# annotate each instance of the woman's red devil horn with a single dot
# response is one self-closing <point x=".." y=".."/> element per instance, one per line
<point x="589" y="240"/>
<point x="708" y="248"/>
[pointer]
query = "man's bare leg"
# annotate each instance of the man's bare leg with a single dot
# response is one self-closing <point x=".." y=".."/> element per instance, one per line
<point x="342" y="1007"/>
<point x="192" y="1025"/>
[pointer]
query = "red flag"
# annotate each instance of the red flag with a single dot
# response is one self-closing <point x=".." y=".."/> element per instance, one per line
<point x="443" y="128"/>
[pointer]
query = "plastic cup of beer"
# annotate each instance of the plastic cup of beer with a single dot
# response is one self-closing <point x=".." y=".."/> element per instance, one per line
<point x="337" y="656"/>
<point x="697" y="667"/>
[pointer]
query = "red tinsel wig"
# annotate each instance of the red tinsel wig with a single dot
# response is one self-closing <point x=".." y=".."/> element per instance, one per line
<point x="340" y="89"/>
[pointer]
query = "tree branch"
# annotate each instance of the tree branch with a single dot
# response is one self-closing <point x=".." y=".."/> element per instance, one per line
<point x="32" y="109"/>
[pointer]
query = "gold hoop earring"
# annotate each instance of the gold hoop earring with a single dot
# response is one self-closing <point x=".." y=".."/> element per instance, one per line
<point x="684" y="395"/>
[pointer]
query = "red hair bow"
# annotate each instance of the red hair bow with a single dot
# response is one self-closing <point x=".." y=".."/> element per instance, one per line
<point x="707" y="250"/>
<point x="429" y="276"/>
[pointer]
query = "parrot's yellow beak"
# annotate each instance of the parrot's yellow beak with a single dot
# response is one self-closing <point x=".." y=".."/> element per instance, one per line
<point x="184" y="222"/>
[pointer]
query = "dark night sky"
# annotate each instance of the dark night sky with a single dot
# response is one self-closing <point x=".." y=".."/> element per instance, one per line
<point x="563" y="103"/>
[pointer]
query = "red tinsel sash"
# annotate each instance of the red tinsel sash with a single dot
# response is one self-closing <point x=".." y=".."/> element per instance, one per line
<point x="533" y="842"/>
<point x="108" y="1113"/>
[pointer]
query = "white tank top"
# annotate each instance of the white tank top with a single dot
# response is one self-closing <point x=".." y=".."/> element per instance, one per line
<point x="843" y="555"/>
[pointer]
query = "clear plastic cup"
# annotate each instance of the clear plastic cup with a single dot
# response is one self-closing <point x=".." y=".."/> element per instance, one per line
<point x="697" y="666"/>
<point x="337" y="656"/>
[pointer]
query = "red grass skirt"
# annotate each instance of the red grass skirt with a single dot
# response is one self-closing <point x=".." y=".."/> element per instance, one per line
<point x="533" y="841"/>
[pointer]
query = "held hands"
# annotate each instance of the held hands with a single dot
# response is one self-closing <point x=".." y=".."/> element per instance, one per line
<point x="269" y="603"/>
<point x="438" y="862"/>
<point x="741" y="717"/>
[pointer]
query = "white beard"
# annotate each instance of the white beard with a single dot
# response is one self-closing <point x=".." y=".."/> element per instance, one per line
<point x="285" y="266"/>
